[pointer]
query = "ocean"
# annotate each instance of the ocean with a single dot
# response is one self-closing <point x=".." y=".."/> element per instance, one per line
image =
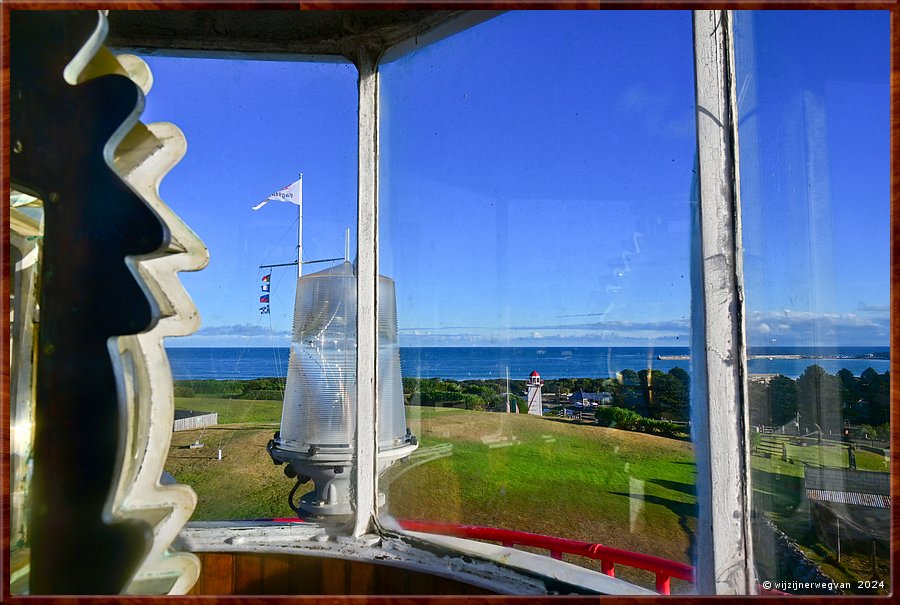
<point x="465" y="363"/>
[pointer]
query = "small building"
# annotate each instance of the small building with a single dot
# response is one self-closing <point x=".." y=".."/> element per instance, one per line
<point x="186" y="420"/>
<point x="535" y="399"/>
<point x="849" y="506"/>
<point x="761" y="378"/>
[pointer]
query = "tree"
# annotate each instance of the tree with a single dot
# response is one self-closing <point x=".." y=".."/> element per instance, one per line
<point x="681" y="409"/>
<point x="875" y="392"/>
<point x="647" y="379"/>
<point x="760" y="409"/>
<point x="818" y="400"/>
<point x="518" y="403"/>
<point x="626" y="391"/>
<point x="849" y="387"/>
<point x="667" y="396"/>
<point x="782" y="398"/>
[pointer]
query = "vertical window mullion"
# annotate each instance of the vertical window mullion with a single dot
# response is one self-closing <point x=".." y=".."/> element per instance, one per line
<point x="367" y="277"/>
<point x="724" y="564"/>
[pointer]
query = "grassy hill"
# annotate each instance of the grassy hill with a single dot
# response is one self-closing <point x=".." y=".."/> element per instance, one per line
<point x="233" y="410"/>
<point x="542" y="475"/>
<point x="628" y="490"/>
<point x="552" y="477"/>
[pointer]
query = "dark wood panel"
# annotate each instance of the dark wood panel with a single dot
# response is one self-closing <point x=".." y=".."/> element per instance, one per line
<point x="276" y="569"/>
<point x="248" y="575"/>
<point x="306" y="575"/>
<point x="361" y="579"/>
<point x="279" y="574"/>
<point x="217" y="575"/>
<point x="334" y="576"/>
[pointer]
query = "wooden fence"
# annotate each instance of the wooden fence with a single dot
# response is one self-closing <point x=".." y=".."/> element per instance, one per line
<point x="186" y="420"/>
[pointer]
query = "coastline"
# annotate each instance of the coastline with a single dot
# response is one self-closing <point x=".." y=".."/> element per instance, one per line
<point x="490" y="363"/>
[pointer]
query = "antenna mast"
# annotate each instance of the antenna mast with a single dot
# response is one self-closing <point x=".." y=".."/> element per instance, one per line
<point x="300" y="231"/>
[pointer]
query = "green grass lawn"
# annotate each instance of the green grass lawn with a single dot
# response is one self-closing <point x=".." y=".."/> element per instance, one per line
<point x="244" y="484"/>
<point x="623" y="489"/>
<point x="233" y="410"/>
<point x="583" y="482"/>
<point x="542" y="475"/>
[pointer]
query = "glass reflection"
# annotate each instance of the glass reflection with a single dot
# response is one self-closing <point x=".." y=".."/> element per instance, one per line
<point x="814" y="124"/>
<point x="534" y="213"/>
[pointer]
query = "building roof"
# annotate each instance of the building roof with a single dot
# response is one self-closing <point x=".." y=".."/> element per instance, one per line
<point x="844" y="486"/>
<point x="534" y="373"/>
<point x="590" y="396"/>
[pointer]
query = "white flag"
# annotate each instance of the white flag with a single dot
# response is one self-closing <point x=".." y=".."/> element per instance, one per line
<point x="293" y="193"/>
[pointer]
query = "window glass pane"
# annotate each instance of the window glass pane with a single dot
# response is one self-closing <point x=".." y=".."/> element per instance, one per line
<point x="535" y="188"/>
<point x="252" y="127"/>
<point x="26" y="238"/>
<point x="815" y="195"/>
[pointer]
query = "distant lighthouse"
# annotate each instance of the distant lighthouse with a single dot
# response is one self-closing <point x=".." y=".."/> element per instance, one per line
<point x="535" y="405"/>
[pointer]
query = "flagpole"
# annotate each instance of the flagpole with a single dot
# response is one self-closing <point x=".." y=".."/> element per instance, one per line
<point x="347" y="246"/>
<point x="300" y="228"/>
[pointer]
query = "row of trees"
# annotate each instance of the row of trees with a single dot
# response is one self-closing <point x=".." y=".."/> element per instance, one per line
<point x="822" y="400"/>
<point x="650" y="393"/>
<point x="481" y="395"/>
<point x="257" y="388"/>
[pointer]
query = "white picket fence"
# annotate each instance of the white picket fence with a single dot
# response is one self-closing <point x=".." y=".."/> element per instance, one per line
<point x="198" y="421"/>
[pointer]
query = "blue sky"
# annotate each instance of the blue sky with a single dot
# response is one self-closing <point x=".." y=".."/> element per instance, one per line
<point x="536" y="175"/>
<point x="814" y="129"/>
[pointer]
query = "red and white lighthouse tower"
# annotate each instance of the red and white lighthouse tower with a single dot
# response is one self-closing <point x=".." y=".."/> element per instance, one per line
<point x="535" y="404"/>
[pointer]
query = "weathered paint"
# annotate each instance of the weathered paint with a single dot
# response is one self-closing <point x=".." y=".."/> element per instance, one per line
<point x="724" y="562"/>
<point x="500" y="569"/>
<point x="367" y="277"/>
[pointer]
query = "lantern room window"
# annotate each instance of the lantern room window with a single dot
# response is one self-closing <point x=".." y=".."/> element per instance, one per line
<point x="579" y="303"/>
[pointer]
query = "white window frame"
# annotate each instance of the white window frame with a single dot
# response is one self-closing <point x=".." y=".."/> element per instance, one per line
<point x="718" y="351"/>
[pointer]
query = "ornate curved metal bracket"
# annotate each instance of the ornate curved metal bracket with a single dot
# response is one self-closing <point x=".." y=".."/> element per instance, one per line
<point x="100" y="522"/>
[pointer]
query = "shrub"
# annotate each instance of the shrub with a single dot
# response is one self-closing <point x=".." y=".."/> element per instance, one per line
<point x="666" y="428"/>
<point x="619" y="418"/>
<point x="267" y="394"/>
<point x="755" y="439"/>
<point x="184" y="392"/>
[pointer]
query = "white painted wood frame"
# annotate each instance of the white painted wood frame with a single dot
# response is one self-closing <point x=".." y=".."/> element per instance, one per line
<point x="363" y="495"/>
<point x="718" y="344"/>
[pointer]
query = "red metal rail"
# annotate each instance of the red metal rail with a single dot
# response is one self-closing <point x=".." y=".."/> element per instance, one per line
<point x="609" y="557"/>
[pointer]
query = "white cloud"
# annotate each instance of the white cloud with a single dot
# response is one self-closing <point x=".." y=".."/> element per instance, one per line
<point x="808" y="328"/>
<point x="235" y="335"/>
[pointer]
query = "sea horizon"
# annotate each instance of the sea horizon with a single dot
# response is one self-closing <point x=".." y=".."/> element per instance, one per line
<point x="551" y="362"/>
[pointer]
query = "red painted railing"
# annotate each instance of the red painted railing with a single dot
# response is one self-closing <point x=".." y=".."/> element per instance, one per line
<point x="609" y="557"/>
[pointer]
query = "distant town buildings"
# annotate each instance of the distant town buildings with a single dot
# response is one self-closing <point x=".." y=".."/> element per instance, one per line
<point x="592" y="399"/>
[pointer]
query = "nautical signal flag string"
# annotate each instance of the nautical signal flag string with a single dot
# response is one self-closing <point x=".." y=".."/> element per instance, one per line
<point x="264" y="310"/>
